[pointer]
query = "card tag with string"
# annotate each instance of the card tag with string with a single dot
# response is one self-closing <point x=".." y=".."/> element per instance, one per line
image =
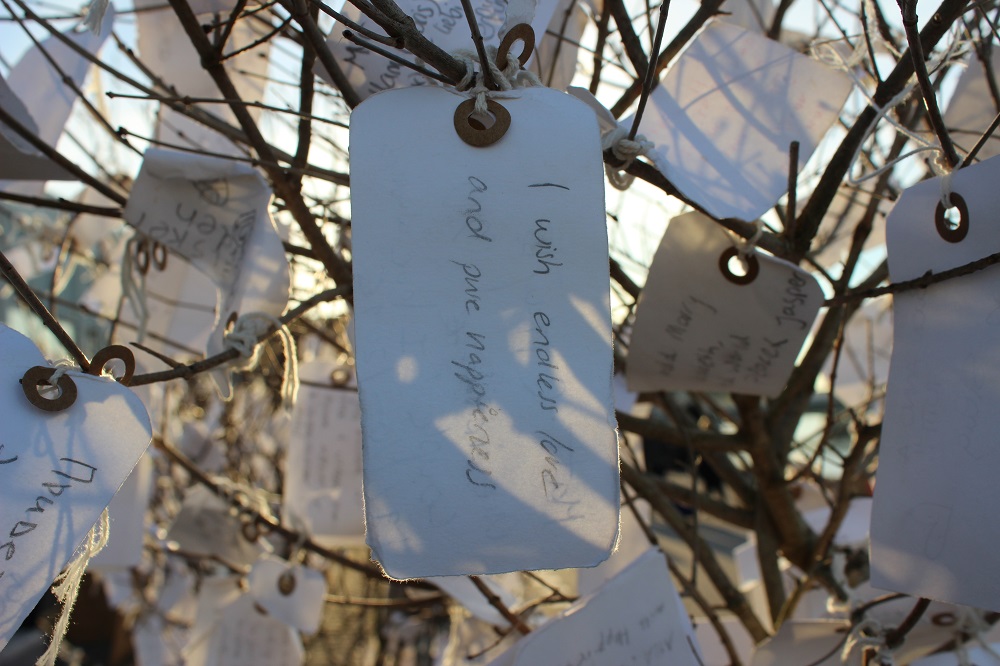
<point x="727" y="111"/>
<point x="58" y="470"/>
<point x="322" y="488"/>
<point x="635" y="618"/>
<point x="214" y="212"/>
<point x="700" y="326"/>
<point x="232" y="630"/>
<point x="294" y="594"/>
<point x="441" y="21"/>
<point x="934" y="520"/>
<point x="483" y="330"/>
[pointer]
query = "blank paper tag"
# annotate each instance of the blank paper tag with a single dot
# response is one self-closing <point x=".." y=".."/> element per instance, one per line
<point x="805" y="641"/>
<point x="726" y="112"/>
<point x="58" y="470"/>
<point x="483" y="337"/>
<point x="695" y="330"/>
<point x="934" y="523"/>
<point x="322" y="489"/>
<point x="18" y="158"/>
<point x="636" y="618"/>
<point x="215" y="213"/>
<point x="291" y="593"/>
<point x="206" y="525"/>
<point x="231" y="631"/>
<point x="441" y="21"/>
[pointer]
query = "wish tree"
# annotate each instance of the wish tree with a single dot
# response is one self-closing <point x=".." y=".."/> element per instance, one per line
<point x="469" y="332"/>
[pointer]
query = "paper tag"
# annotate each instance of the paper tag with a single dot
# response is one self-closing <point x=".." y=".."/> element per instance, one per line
<point x="205" y="525"/>
<point x="322" y="488"/>
<point x="441" y="21"/>
<point x="215" y="213"/>
<point x="696" y="330"/>
<point x="971" y="108"/>
<point x="636" y="618"/>
<point x="803" y="642"/>
<point x="864" y="357"/>
<point x="483" y="337"/>
<point x="293" y="594"/>
<point x="127" y="512"/>
<point x="726" y="113"/>
<point x="18" y="158"/>
<point x="58" y="470"/>
<point x="231" y="631"/>
<point x="933" y="522"/>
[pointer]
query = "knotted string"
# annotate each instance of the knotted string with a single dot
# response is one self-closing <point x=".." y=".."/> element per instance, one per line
<point x="626" y="150"/>
<point x="245" y="339"/>
<point x="868" y="634"/>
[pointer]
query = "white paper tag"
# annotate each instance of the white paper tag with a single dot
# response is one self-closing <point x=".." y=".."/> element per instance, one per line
<point x="971" y="108"/>
<point x="18" y="158"/>
<point x="231" y="631"/>
<point x="483" y="337"/>
<point x="696" y="330"/>
<point x="58" y="471"/>
<point x="293" y="594"/>
<point x="803" y="642"/>
<point x="215" y="213"/>
<point x="636" y="618"/>
<point x="441" y="21"/>
<point x="322" y="488"/>
<point x="726" y="113"/>
<point x="934" y="522"/>
<point x="205" y="525"/>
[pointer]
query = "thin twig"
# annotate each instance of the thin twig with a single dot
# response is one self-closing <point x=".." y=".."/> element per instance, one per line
<point x="650" y="77"/>
<point x="394" y="57"/>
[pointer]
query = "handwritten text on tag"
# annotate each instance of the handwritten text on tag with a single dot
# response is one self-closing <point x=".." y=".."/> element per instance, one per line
<point x="58" y="471"/>
<point x="696" y="330"/>
<point x="483" y="337"/>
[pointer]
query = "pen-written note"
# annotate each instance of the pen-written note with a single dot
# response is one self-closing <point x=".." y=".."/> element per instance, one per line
<point x="58" y="471"/>
<point x="636" y="618"/>
<point x="695" y="330"/>
<point x="483" y="337"/>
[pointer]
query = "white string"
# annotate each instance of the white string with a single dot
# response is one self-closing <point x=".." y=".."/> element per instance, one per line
<point x="511" y="77"/>
<point x="135" y="293"/>
<point x="245" y="339"/>
<point x="626" y="150"/>
<point x="66" y="586"/>
<point x="747" y="247"/>
<point x="868" y="634"/>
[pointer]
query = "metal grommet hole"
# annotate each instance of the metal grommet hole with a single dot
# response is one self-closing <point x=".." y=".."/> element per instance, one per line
<point x="159" y="255"/>
<point x="250" y="531"/>
<point x="286" y="583"/>
<point x="230" y="323"/>
<point x="952" y="223"/>
<point x="738" y="270"/>
<point x="41" y="394"/>
<point x="142" y="256"/>
<point x="473" y="131"/>
<point x="522" y="32"/>
<point x="108" y="356"/>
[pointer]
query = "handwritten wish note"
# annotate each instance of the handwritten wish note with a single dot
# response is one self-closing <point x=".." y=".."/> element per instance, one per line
<point x="18" y="158"/>
<point x="58" y="471"/>
<point x="214" y="212"/>
<point x="636" y="618"/>
<point x="934" y="523"/>
<point x="323" y="469"/>
<point x="441" y="21"/>
<point x="726" y="112"/>
<point x="696" y="330"/>
<point x="483" y="332"/>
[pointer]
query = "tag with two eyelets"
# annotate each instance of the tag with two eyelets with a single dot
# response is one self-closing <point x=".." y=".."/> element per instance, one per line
<point x="706" y="324"/>
<point x="59" y="467"/>
<point x="483" y="330"/>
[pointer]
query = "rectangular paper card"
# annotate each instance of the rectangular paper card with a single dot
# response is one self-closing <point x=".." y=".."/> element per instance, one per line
<point x="322" y="489"/>
<point x="636" y="618"/>
<point x="696" y="330"/>
<point x="934" y="520"/>
<point x="727" y="111"/>
<point x="58" y="471"/>
<point x="18" y="158"/>
<point x="441" y="21"/>
<point x="483" y="330"/>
